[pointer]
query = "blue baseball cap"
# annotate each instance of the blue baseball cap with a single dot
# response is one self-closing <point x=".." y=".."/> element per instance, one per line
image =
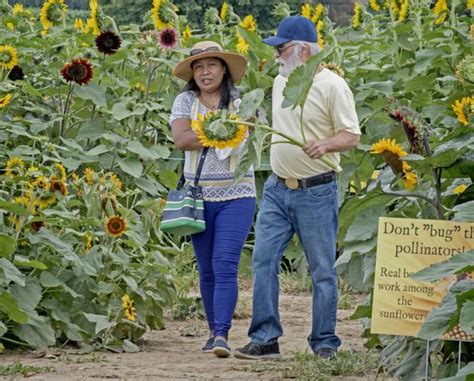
<point x="293" y="28"/>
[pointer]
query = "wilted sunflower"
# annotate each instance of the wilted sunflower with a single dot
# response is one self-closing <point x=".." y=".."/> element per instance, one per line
<point x="8" y="57"/>
<point x="162" y="14"/>
<point x="79" y="70"/>
<point x="115" y="226"/>
<point x="52" y="13"/>
<point x="5" y="100"/>
<point x="168" y="38"/>
<point x="249" y="23"/>
<point x="128" y="308"/>
<point x="213" y="131"/>
<point x="465" y="70"/>
<point x="16" y="74"/>
<point x="15" y="167"/>
<point x="108" y="42"/>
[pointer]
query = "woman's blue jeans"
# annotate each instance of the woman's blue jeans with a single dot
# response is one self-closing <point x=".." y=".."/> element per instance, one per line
<point x="311" y="213"/>
<point x="218" y="251"/>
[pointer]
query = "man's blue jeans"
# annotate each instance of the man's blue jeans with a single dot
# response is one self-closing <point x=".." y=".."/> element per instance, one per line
<point x="311" y="213"/>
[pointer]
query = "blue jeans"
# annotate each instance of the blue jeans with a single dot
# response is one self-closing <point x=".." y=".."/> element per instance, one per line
<point x="311" y="213"/>
<point x="218" y="251"/>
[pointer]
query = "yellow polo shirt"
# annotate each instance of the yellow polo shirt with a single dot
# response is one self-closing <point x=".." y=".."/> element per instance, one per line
<point x="329" y="109"/>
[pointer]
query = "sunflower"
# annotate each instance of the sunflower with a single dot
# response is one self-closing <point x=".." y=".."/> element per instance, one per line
<point x="409" y="177"/>
<point x="224" y="13"/>
<point x="56" y="184"/>
<point x="306" y="10"/>
<point x="79" y="25"/>
<point x="89" y="238"/>
<point x="463" y="109"/>
<point x="162" y="14"/>
<point x="111" y="181"/>
<point x="441" y="11"/>
<point x="108" y="42"/>
<point x="391" y="153"/>
<point x="18" y="9"/>
<point x="460" y="189"/>
<point x="334" y="68"/>
<point x="115" y="226"/>
<point x="61" y="171"/>
<point x="321" y="41"/>
<point x="318" y="13"/>
<point x="249" y="23"/>
<point x="465" y="70"/>
<point x="15" y="167"/>
<point x="469" y="4"/>
<point x="377" y="5"/>
<point x="37" y="225"/>
<point x="403" y="11"/>
<point x="79" y="70"/>
<point x="52" y="13"/>
<point x="357" y="16"/>
<point x="89" y="175"/>
<point x="128" y="308"/>
<point x="168" y="38"/>
<point x="213" y="132"/>
<point x="16" y="74"/>
<point x="186" y="34"/>
<point x="40" y="182"/>
<point x="8" y="57"/>
<point x="5" y="100"/>
<point x="242" y="46"/>
<point x="93" y="23"/>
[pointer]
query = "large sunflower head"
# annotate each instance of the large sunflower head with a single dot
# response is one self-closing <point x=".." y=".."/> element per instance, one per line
<point x="108" y="42"/>
<point x="162" y="14"/>
<point x="115" y="226"/>
<point x="219" y="129"/>
<point x="52" y="13"/>
<point x="79" y="70"/>
<point x="8" y="57"/>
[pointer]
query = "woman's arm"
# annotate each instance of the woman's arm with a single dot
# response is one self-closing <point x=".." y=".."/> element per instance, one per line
<point x="184" y="137"/>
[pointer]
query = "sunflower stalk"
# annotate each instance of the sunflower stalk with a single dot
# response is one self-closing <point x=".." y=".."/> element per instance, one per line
<point x="67" y="106"/>
<point x="290" y="139"/>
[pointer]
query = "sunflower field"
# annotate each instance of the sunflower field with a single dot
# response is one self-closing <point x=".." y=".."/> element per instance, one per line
<point x="86" y="156"/>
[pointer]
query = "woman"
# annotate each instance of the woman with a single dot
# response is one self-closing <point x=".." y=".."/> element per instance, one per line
<point x="228" y="205"/>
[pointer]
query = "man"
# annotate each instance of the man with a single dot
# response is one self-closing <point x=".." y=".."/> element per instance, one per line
<point x="301" y="195"/>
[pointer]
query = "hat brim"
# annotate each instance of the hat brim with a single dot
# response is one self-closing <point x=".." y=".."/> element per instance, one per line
<point x="236" y="64"/>
<point x="275" y="40"/>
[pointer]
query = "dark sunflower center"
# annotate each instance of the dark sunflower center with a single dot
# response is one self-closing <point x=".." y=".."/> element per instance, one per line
<point x="77" y="72"/>
<point x="116" y="226"/>
<point x="109" y="42"/>
<point x="168" y="38"/>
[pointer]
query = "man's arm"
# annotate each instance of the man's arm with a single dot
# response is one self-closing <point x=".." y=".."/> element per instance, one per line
<point x="184" y="137"/>
<point x="342" y="141"/>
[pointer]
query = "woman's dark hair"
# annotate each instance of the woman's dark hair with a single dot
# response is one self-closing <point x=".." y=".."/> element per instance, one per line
<point x="228" y="90"/>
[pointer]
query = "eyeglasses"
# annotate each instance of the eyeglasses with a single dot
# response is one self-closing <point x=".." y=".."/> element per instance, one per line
<point x="281" y="48"/>
<point x="209" y="49"/>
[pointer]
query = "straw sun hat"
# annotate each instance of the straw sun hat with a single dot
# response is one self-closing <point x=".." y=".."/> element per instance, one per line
<point x="205" y="49"/>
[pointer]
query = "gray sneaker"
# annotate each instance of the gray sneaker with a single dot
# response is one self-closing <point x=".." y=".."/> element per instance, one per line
<point x="254" y="351"/>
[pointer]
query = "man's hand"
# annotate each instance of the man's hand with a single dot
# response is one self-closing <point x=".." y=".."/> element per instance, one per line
<point x="315" y="148"/>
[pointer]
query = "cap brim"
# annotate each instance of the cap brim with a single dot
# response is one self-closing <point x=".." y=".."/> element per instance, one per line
<point x="275" y="40"/>
<point x="235" y="62"/>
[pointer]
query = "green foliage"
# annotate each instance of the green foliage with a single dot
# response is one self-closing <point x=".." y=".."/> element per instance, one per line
<point x="18" y="368"/>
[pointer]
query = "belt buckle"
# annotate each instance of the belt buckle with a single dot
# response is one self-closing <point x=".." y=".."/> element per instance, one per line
<point x="291" y="183"/>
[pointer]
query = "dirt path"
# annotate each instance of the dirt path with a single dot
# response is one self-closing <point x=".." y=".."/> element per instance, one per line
<point x="174" y="353"/>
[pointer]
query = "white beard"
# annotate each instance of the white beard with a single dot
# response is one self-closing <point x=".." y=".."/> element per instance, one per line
<point x="287" y="66"/>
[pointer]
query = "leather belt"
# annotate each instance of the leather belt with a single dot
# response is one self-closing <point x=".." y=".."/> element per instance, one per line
<point x="308" y="182"/>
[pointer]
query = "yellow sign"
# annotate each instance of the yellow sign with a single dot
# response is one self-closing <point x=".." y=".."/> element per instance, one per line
<point x="405" y="246"/>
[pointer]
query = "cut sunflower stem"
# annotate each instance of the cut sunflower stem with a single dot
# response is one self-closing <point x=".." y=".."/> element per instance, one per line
<point x="290" y="139"/>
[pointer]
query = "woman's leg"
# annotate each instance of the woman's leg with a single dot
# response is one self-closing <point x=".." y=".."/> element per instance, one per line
<point x="203" y="249"/>
<point x="233" y="222"/>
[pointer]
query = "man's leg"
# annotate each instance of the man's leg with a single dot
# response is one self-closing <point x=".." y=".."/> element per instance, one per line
<point x="315" y="221"/>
